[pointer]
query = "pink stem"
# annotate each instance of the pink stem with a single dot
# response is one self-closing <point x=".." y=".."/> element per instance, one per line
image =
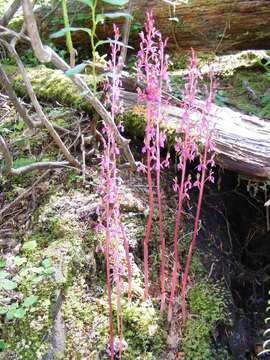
<point x="126" y="246"/>
<point x="176" y="236"/>
<point x="107" y="255"/>
<point x="149" y="225"/>
<point x="107" y="252"/>
<point x="161" y="235"/>
<point x="194" y="238"/>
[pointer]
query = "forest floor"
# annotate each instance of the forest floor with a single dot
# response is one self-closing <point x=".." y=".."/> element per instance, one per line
<point x="53" y="300"/>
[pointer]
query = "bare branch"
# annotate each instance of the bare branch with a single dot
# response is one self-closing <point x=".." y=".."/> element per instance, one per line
<point x="11" y="11"/>
<point x="43" y="165"/>
<point x="125" y="39"/>
<point x="45" y="54"/>
<point x="38" y="108"/>
<point x="22" y="195"/>
<point x="12" y="96"/>
<point x="7" y="156"/>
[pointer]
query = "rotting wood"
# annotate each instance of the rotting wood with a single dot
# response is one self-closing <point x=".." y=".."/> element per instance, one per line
<point x="241" y="141"/>
<point x="215" y="25"/>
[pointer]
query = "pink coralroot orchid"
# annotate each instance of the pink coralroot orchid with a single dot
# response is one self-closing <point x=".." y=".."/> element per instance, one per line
<point x="152" y="72"/>
<point x="116" y="243"/>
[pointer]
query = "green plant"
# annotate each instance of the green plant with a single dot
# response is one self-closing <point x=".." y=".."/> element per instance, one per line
<point x="18" y="311"/>
<point x="32" y="275"/>
<point x="69" y="42"/>
<point x="221" y="99"/>
<point x="266" y="333"/>
<point x="207" y="303"/>
<point x="96" y="19"/>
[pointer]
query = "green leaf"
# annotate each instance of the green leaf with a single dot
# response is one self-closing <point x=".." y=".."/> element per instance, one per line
<point x="46" y="263"/>
<point x="3" y="274"/>
<point x="2" y="263"/>
<point x="6" y="284"/>
<point x="114" y="15"/>
<point x="20" y="313"/>
<point x="65" y="30"/>
<point x="29" y="245"/>
<point x="18" y="261"/>
<point x="29" y="301"/>
<point x="3" y="310"/>
<point x="76" y="70"/>
<point x="116" y="2"/>
<point x="99" y="18"/>
<point x="49" y="271"/>
<point x="102" y="42"/>
<point x="2" y="345"/>
<point x="87" y="2"/>
<point x="11" y="312"/>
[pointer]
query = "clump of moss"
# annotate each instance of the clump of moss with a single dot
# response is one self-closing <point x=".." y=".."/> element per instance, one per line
<point x="236" y="92"/>
<point x="207" y="302"/>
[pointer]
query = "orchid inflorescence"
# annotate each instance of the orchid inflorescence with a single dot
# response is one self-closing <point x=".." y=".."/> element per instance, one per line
<point x="116" y="244"/>
<point x="193" y="148"/>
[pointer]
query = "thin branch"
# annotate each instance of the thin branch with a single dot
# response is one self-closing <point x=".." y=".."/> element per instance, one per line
<point x="38" y="108"/>
<point x="11" y="11"/>
<point x="22" y="195"/>
<point x="11" y="33"/>
<point x="43" y="165"/>
<point x="125" y="39"/>
<point x="12" y="96"/>
<point x="46" y="54"/>
<point x="7" y="156"/>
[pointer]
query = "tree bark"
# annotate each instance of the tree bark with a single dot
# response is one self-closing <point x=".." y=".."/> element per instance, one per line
<point x="241" y="141"/>
<point x="220" y="26"/>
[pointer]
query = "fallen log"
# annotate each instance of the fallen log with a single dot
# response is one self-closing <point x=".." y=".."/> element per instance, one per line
<point x="241" y="141"/>
<point x="215" y="25"/>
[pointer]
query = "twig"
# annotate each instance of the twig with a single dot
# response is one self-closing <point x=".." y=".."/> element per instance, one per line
<point x="125" y="39"/>
<point x="83" y="157"/>
<point x="12" y="96"/>
<point x="38" y="108"/>
<point x="43" y="165"/>
<point x="46" y="54"/>
<point x="11" y="11"/>
<point x="7" y="156"/>
<point x="22" y="195"/>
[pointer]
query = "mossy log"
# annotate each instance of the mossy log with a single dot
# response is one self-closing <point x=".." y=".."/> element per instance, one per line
<point x="202" y="24"/>
<point x="241" y="141"/>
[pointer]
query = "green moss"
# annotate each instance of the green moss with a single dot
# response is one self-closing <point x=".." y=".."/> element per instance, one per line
<point x="57" y="241"/>
<point x="240" y="98"/>
<point x="135" y="119"/>
<point x="51" y="85"/>
<point x="207" y="302"/>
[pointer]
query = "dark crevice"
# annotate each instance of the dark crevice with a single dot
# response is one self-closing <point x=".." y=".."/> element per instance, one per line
<point x="234" y="217"/>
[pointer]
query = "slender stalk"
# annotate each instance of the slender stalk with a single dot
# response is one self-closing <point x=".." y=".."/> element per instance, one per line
<point x="108" y="280"/>
<point x="93" y="45"/>
<point x="151" y="208"/>
<point x="69" y="42"/>
<point x="126" y="246"/>
<point x="175" y="239"/>
<point x="194" y="238"/>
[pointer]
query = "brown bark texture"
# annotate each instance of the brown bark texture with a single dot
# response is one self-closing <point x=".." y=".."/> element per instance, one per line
<point x="205" y="25"/>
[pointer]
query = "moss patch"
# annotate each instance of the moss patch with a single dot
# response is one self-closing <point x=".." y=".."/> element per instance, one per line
<point x="235" y="90"/>
<point x="208" y="307"/>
